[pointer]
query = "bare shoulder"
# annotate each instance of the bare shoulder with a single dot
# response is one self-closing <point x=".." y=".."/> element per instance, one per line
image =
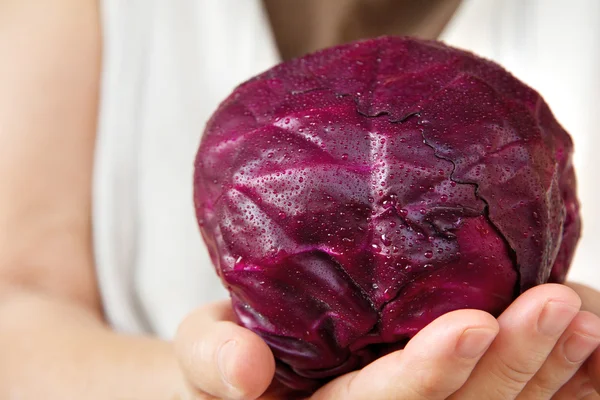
<point x="50" y="56"/>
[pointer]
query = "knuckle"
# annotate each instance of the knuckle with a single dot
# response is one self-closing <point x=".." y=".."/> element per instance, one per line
<point x="510" y="375"/>
<point x="546" y="382"/>
<point x="430" y="384"/>
<point x="537" y="390"/>
<point x="193" y="362"/>
<point x="513" y="376"/>
<point x="550" y="378"/>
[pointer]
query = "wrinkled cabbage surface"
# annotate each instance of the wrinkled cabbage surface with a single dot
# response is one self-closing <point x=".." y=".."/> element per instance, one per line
<point x="350" y="197"/>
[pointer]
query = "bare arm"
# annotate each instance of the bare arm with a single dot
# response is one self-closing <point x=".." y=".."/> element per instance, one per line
<point x="53" y="341"/>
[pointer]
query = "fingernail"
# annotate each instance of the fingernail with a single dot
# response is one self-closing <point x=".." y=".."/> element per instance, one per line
<point x="225" y="361"/>
<point x="555" y="317"/>
<point x="578" y="347"/>
<point x="473" y="342"/>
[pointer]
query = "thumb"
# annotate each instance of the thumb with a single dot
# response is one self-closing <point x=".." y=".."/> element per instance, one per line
<point x="221" y="358"/>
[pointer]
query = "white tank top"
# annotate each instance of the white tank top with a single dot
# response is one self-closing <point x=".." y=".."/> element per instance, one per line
<point x="168" y="64"/>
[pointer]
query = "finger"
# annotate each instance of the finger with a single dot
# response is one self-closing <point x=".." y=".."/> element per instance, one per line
<point x="221" y="358"/>
<point x="529" y="330"/>
<point x="434" y="364"/>
<point x="577" y="343"/>
<point x="593" y="369"/>
<point x="577" y="388"/>
<point x="589" y="297"/>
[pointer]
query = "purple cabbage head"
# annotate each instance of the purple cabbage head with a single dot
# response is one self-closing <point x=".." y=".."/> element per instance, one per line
<point x="350" y="197"/>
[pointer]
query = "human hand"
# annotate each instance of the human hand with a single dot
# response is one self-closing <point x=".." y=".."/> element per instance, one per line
<point x="540" y="351"/>
<point x="450" y="358"/>
<point x="221" y="358"/>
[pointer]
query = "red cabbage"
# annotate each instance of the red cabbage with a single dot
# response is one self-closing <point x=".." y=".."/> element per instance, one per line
<point x="351" y="196"/>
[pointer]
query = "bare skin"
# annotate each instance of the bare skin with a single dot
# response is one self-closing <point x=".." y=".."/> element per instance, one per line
<point x="308" y="25"/>
<point x="534" y="351"/>
<point x="55" y="343"/>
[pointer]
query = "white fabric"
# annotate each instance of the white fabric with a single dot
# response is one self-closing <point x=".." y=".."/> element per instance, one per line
<point x="167" y="65"/>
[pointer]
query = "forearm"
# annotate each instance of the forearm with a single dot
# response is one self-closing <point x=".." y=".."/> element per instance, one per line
<point x="55" y="350"/>
<point x="57" y="347"/>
